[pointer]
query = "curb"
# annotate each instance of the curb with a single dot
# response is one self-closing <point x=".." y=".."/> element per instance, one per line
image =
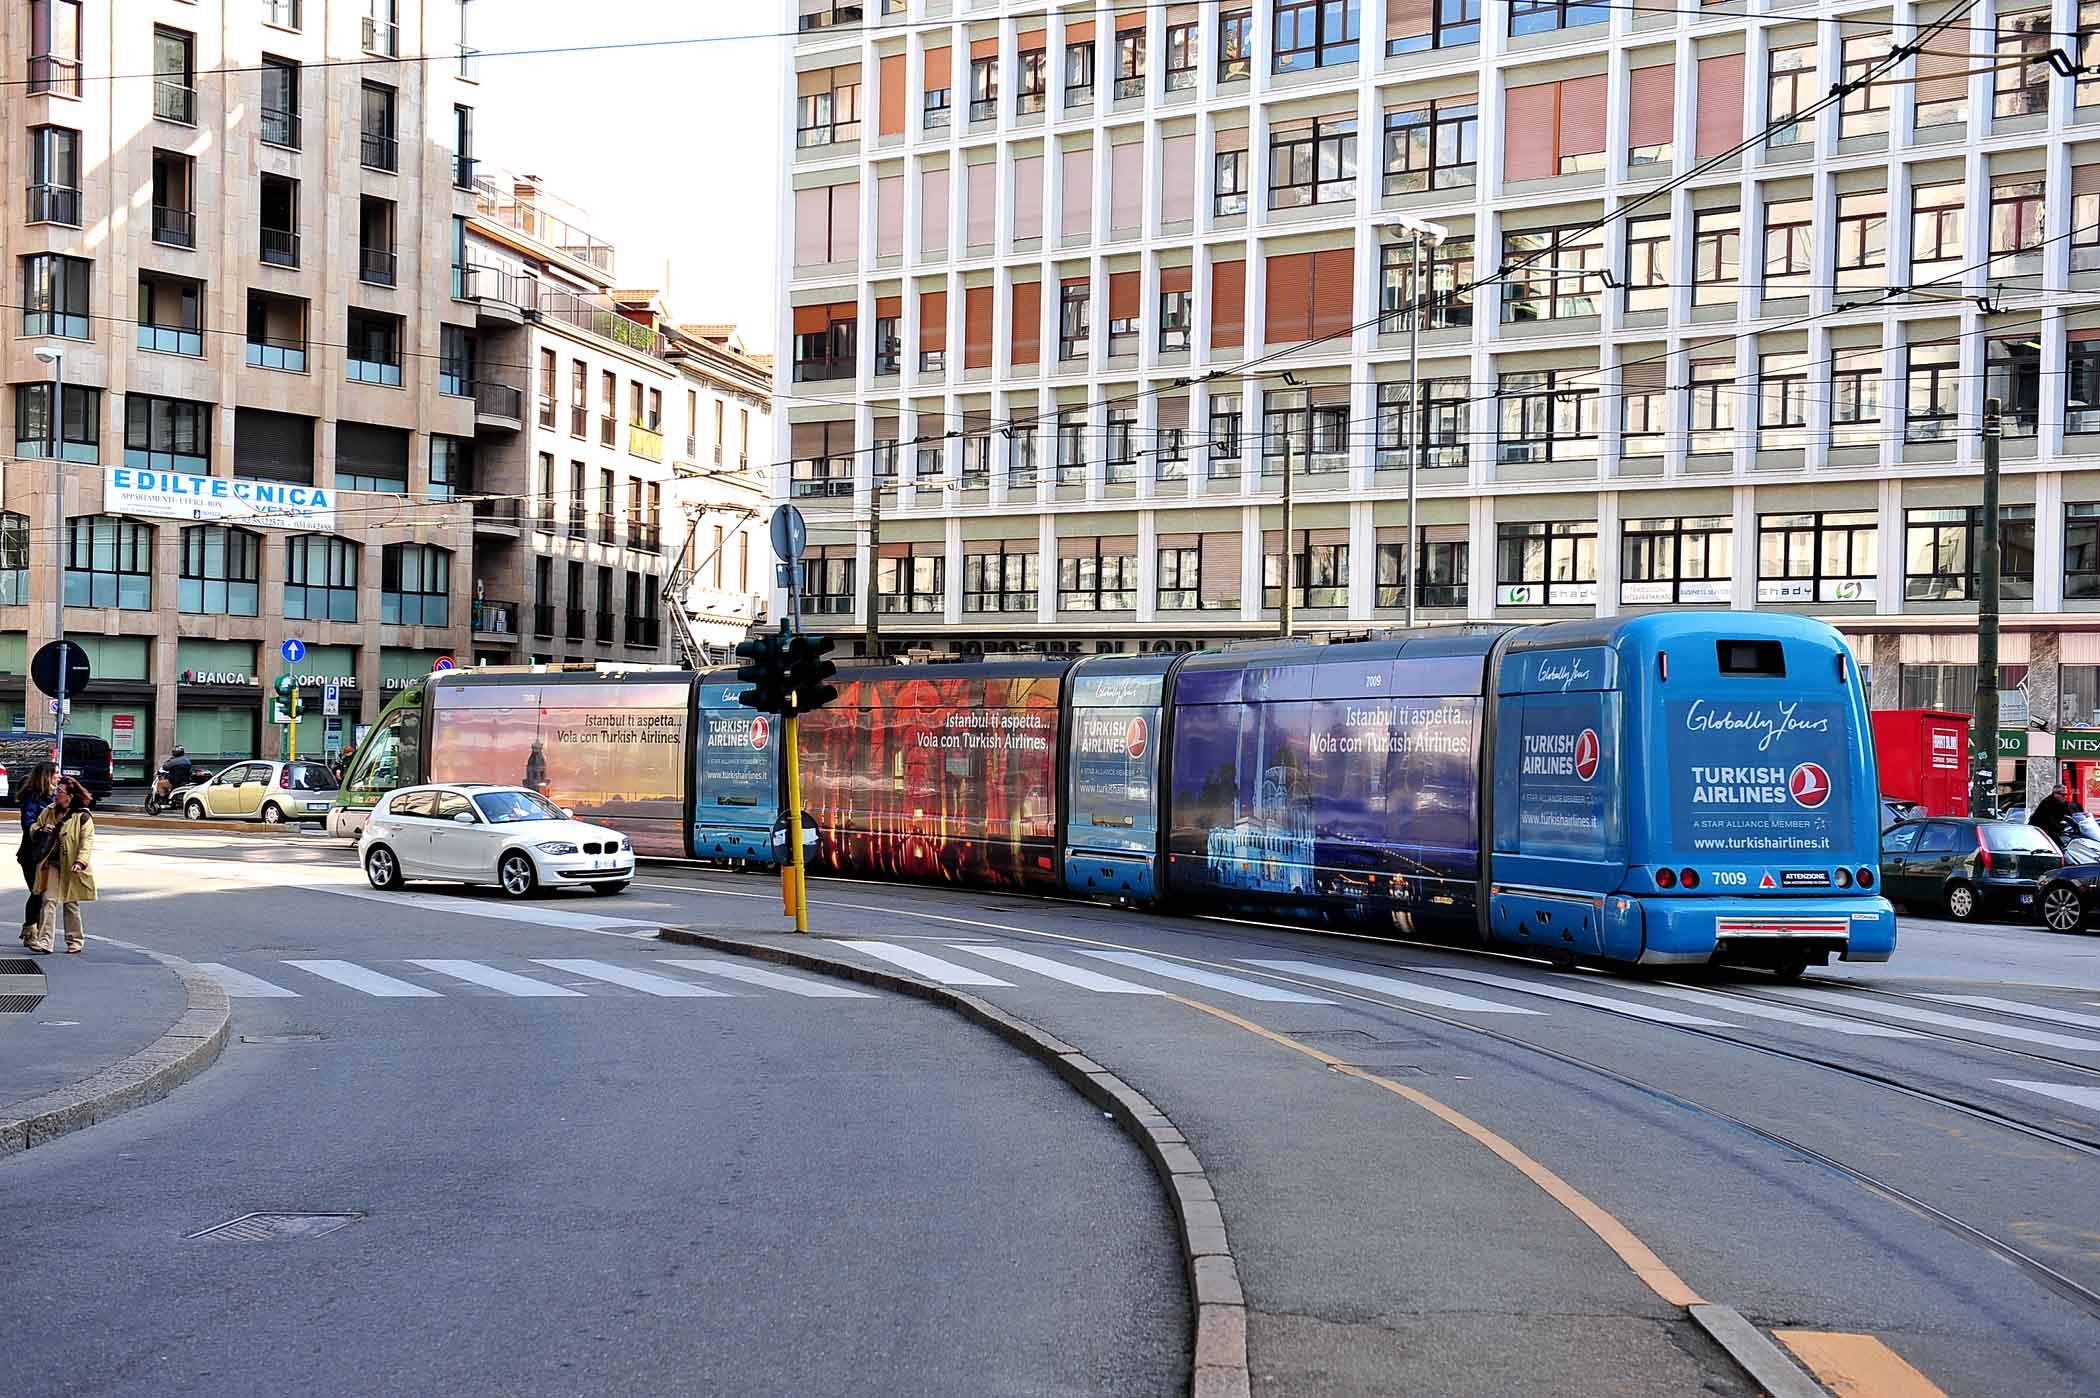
<point x="190" y="1045"/>
<point x="1219" y="1355"/>
<point x="117" y="820"/>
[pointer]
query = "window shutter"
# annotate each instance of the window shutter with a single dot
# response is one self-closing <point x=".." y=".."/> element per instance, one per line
<point x="1287" y="310"/>
<point x="933" y="320"/>
<point x="1078" y="219"/>
<point x="978" y="208"/>
<point x="2085" y="179"/>
<point x="1030" y="40"/>
<point x="809" y="320"/>
<point x="1228" y="305"/>
<point x="1077" y="34"/>
<point x="889" y="307"/>
<point x="1081" y="546"/>
<point x="1176" y="278"/>
<point x="1126" y="184"/>
<point x="1652" y="111"/>
<point x="1582" y="116"/>
<point x="933" y="210"/>
<point x="806" y="441"/>
<point x="1943" y="77"/>
<point x="1645" y="374"/>
<point x="1229" y="138"/>
<point x="889" y="216"/>
<point x="939" y="71"/>
<point x="889" y="110"/>
<point x="1028" y="323"/>
<point x="1028" y="197"/>
<point x="985" y="48"/>
<point x="1333" y="291"/>
<point x="845" y="222"/>
<point x="1720" y="104"/>
<point x="1218" y="564"/>
<point x="1177" y="162"/>
<point x="1131" y="19"/>
<point x="977" y="328"/>
<point x="1530" y="115"/>
<point x="1408" y="19"/>
<point x="1173" y="412"/>
<point x="812" y="226"/>
<point x="1123" y="295"/>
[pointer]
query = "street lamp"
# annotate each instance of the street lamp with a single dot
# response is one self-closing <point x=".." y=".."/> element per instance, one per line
<point x="56" y="358"/>
<point x="1420" y="231"/>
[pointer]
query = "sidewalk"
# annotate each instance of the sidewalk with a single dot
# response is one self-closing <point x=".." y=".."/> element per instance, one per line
<point x="117" y="1028"/>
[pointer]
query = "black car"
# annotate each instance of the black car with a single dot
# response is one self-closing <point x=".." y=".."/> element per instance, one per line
<point x="1966" y="867"/>
<point x="87" y="758"/>
<point x="2068" y="896"/>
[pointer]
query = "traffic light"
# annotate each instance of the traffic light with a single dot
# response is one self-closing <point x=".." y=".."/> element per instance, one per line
<point x="807" y="671"/>
<point x="763" y="671"/>
<point x="284" y="686"/>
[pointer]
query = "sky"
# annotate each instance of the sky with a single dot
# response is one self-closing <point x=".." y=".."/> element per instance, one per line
<point x="673" y="152"/>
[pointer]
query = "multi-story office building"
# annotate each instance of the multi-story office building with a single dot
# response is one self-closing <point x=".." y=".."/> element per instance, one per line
<point x="235" y="223"/>
<point x="1079" y="289"/>
<point x="601" y="454"/>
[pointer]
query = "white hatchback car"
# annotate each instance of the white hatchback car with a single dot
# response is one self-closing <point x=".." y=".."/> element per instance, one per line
<point x="510" y="836"/>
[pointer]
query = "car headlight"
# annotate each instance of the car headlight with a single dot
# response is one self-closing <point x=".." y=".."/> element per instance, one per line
<point x="557" y="847"/>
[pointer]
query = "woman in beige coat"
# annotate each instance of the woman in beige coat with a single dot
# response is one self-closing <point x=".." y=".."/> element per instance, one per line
<point x="67" y="878"/>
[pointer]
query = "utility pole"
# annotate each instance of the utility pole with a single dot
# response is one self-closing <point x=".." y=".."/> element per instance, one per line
<point x="1289" y="554"/>
<point x="1983" y="792"/>
<point x="874" y="620"/>
<point x="56" y="358"/>
<point x="1418" y="426"/>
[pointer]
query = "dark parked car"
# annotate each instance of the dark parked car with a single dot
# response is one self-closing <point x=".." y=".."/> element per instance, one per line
<point x="1966" y="867"/>
<point x="87" y="757"/>
<point x="2068" y="897"/>
<point x="1894" y="813"/>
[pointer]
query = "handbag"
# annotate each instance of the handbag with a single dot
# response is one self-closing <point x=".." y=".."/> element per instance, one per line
<point x="38" y="845"/>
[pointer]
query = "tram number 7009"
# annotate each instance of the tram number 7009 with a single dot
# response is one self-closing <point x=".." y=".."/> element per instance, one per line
<point x="1735" y="878"/>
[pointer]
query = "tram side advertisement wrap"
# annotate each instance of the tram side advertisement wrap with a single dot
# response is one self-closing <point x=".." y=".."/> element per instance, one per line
<point x="1567" y="773"/>
<point x="1759" y="778"/>
<point x="737" y="756"/>
<point x="1115" y="762"/>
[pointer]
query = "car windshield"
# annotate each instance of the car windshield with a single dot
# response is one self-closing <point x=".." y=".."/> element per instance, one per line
<point x="506" y="807"/>
<point x="2007" y="838"/>
<point x="308" y="776"/>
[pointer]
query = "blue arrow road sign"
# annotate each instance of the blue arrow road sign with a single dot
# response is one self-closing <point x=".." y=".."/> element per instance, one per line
<point x="294" y="650"/>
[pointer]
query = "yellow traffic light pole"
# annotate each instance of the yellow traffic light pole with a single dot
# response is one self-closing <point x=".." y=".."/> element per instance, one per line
<point x="798" y="884"/>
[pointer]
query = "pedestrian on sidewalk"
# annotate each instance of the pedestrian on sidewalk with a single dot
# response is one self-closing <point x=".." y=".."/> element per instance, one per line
<point x="36" y="795"/>
<point x="67" y="877"/>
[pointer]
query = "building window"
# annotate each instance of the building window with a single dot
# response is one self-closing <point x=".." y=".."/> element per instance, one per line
<point x="1180" y="579"/>
<point x="279" y="125"/>
<point x="1319" y="575"/>
<point x="1071" y="446"/>
<point x="827" y="581"/>
<point x="1940" y="553"/>
<point x="1441" y="580"/>
<point x="934" y="109"/>
<point x="279" y="217"/>
<point x="1181" y="57"/>
<point x="1301" y="436"/>
<point x="1235" y="45"/>
<point x="1717" y="256"/>
<point x="320" y="578"/>
<point x="916" y="583"/>
<point x="2081" y="551"/>
<point x="1648" y="263"/>
<point x="55" y="296"/>
<point x="2017" y="208"/>
<point x="1230" y="181"/>
<point x="174" y="199"/>
<point x="1224" y="435"/>
<point x="167" y="434"/>
<point x="109" y="563"/>
<point x="1932" y="387"/>
<point x="54" y="175"/>
<point x="1312" y="161"/>
<point x="1314" y="34"/>
<point x="14" y="559"/>
<point x="220" y="571"/>
<point x="1450" y="293"/>
<point x="54" y="47"/>
<point x="2022" y="76"/>
<point x="276" y="332"/>
<point x="608" y="407"/>
<point x="463" y="147"/>
<point x="452" y="469"/>
<point x="1827" y="557"/>
<point x="1555" y="274"/>
<point x="1448" y="24"/>
<point x="1119" y="456"/>
<point x="1130" y="63"/>
<point x="889" y="344"/>
<point x="1440" y="436"/>
<point x="382" y="28"/>
<point x="1789" y="89"/>
<point x="1855" y="396"/>
<point x="1073" y="331"/>
<point x="415" y="585"/>
<point x="1936" y="228"/>
<point x="1544" y="16"/>
<point x="1643" y="408"/>
<point x="1547" y="415"/>
<point x="1079" y="74"/>
<point x="2082" y="384"/>
<point x="2013" y="375"/>
<point x="831" y="114"/>
<point x="1097" y="580"/>
<point x="282" y="13"/>
<point x="1714" y="392"/>
<point x="1001" y="580"/>
<point x="379" y="141"/>
<point x="1689" y="559"/>
<point x="376" y="261"/>
<point x="80" y="433"/>
<point x="2087" y="92"/>
<point x="1789" y="247"/>
<point x="1033" y="92"/>
<point x="174" y="76"/>
<point x="1865" y="108"/>
<point x="827" y="351"/>
<point x="1434" y="146"/>
<point x="1782" y="400"/>
<point x="1862" y="238"/>
<point x="374" y="354"/>
<point x="984" y="88"/>
<point x="1546" y="565"/>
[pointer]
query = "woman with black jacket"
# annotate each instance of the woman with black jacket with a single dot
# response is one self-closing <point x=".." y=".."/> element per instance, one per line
<point x="36" y="795"/>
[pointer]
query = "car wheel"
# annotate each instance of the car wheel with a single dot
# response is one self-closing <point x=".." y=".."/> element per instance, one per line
<point x="382" y="868"/>
<point x="273" y="814"/>
<point x="2063" y="910"/>
<point x="516" y="875"/>
<point x="1960" y="900"/>
<point x="1790" y="969"/>
<point x="620" y="887"/>
<point x="194" y="810"/>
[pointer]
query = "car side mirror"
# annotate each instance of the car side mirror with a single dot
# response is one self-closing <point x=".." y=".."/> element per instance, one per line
<point x="567" y="813"/>
<point x="463" y="818"/>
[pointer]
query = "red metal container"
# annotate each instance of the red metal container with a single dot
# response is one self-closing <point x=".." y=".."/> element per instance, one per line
<point x="1922" y="756"/>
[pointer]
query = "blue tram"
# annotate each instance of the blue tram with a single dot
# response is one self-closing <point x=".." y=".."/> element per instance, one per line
<point x="1661" y="789"/>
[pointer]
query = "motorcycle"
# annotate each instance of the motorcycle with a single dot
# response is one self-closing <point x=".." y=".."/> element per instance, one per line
<point x="2080" y="839"/>
<point x="160" y="796"/>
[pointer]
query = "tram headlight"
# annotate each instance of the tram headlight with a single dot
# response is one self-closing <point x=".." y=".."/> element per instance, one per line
<point x="1666" y="878"/>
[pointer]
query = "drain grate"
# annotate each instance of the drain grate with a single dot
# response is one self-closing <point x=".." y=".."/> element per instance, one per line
<point x="274" y="1228"/>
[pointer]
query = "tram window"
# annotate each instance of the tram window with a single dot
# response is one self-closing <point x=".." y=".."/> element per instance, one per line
<point x="1752" y="658"/>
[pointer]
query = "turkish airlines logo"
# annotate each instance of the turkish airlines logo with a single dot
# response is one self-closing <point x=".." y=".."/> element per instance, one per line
<point x="1809" y="785"/>
<point x="1587" y="752"/>
<point x="760" y="731"/>
<point x="1135" y="737"/>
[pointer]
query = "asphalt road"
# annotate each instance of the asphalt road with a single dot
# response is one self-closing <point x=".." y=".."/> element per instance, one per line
<point x="1889" y="1168"/>
<point x="637" y="1178"/>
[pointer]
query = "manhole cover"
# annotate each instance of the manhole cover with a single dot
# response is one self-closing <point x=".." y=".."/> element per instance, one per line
<point x="282" y="1038"/>
<point x="273" y="1228"/>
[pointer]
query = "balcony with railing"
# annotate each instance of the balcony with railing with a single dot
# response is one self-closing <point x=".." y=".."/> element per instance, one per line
<point x="608" y="629"/>
<point x="645" y="631"/>
<point x="574" y="630"/>
<point x="172" y="339"/>
<point x="59" y="77"/>
<point x="825" y="17"/>
<point x="280" y="247"/>
<point x="536" y="221"/>
<point x="378" y="152"/>
<point x="287" y="355"/>
<point x="600" y="320"/>
<point x="502" y="516"/>
<point x="175" y="228"/>
<point x="645" y="442"/>
<point x="382" y="37"/>
<point x="502" y="297"/>
<point x="463" y="170"/>
<point x="495" y="618"/>
<point x="543" y="618"/>
<point x="377" y="266"/>
<point x="54" y="203"/>
<point x="498" y="405"/>
<point x="175" y="100"/>
<point x="278" y="128"/>
<point x="644" y="538"/>
<point x="821" y="478"/>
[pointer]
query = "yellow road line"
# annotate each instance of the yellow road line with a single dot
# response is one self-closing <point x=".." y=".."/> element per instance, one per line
<point x="1637" y="1256"/>
<point x="1858" y="1366"/>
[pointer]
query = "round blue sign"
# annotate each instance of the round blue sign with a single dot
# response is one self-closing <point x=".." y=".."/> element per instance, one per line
<point x="294" y="650"/>
<point x="443" y="662"/>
